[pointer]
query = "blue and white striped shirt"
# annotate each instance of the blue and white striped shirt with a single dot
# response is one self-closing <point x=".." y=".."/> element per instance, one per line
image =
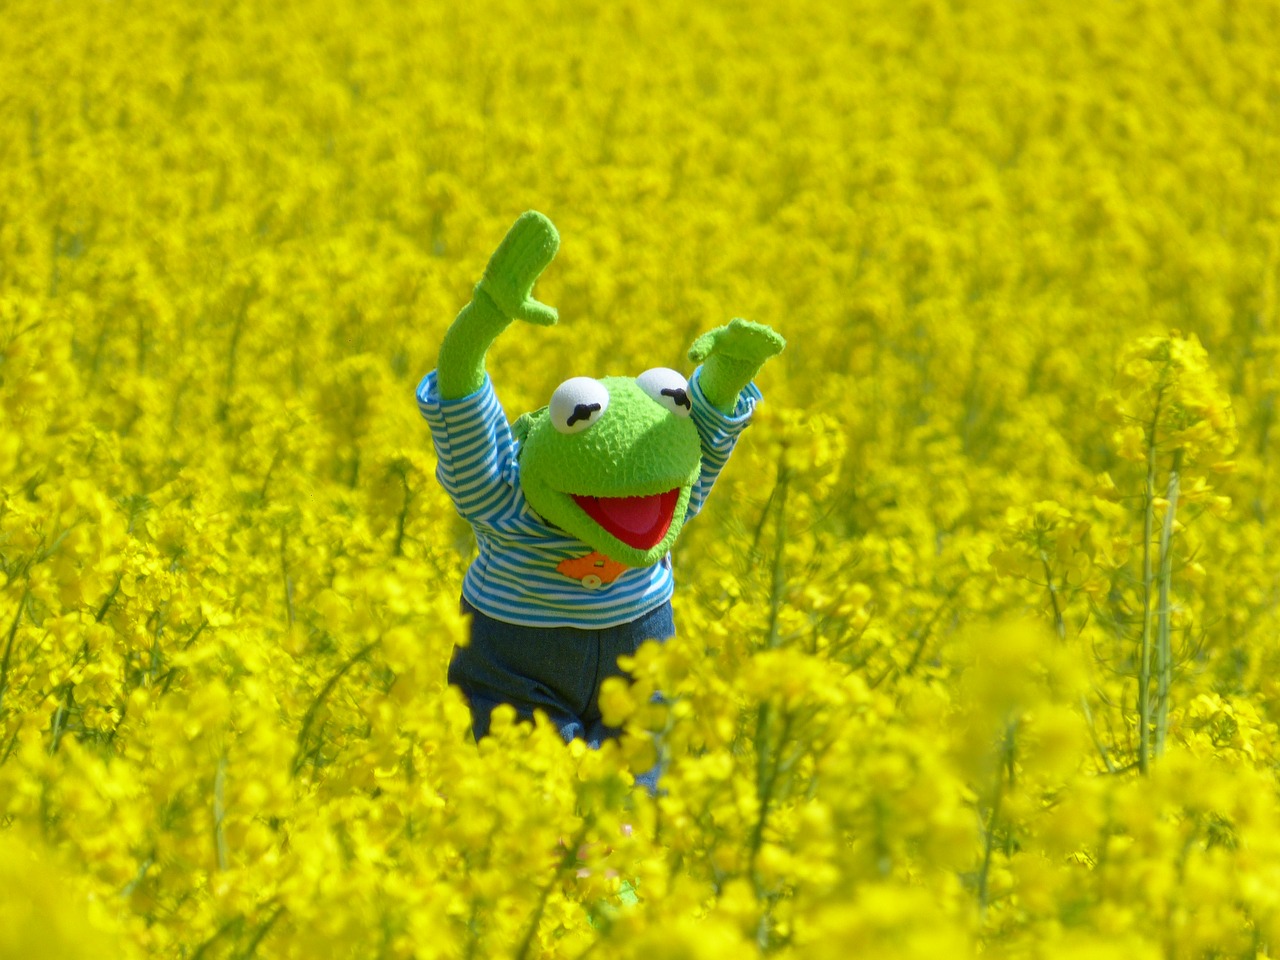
<point x="515" y="577"/>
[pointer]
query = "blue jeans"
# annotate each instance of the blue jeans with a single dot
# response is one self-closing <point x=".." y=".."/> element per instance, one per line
<point x="557" y="670"/>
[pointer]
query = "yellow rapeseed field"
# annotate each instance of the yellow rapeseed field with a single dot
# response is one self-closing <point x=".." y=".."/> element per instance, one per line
<point x="978" y="637"/>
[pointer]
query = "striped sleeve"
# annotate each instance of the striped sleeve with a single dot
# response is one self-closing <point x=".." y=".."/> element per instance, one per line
<point x="474" y="449"/>
<point x="718" y="433"/>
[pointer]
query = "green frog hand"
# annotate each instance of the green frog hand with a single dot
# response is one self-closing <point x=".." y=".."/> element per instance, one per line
<point x="503" y="294"/>
<point x="529" y="246"/>
<point x="731" y="356"/>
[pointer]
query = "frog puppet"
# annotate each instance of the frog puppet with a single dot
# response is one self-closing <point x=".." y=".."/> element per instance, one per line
<point x="576" y="505"/>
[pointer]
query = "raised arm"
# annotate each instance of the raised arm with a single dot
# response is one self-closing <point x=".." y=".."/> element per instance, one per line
<point x="731" y="356"/>
<point x="502" y="295"/>
<point x="723" y="396"/>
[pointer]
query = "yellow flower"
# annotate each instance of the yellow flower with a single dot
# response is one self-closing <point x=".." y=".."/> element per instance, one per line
<point x="229" y="582"/>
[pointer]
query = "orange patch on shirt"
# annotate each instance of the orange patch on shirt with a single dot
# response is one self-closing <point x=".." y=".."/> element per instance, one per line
<point x="593" y="571"/>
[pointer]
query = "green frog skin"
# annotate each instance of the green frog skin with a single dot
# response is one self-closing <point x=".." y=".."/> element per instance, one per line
<point x="575" y="506"/>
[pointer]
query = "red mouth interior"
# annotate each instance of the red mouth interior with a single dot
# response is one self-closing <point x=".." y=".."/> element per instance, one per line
<point x="639" y="522"/>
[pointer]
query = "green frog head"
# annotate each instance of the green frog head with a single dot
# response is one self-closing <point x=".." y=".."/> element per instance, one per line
<point x="613" y="462"/>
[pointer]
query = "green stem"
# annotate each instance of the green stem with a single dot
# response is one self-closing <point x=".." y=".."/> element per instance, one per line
<point x="1060" y="627"/>
<point x="260" y="934"/>
<point x="1059" y="624"/>
<point x="59" y="725"/>
<point x="247" y="296"/>
<point x="1093" y="734"/>
<point x="220" y="812"/>
<point x="567" y="861"/>
<point x="402" y="519"/>
<point x="1164" y="632"/>
<point x="768" y="764"/>
<point x="309" y="717"/>
<point x="232" y="926"/>
<point x="8" y="647"/>
<point x="993" y="818"/>
<point x="1148" y="577"/>
<point x="285" y="578"/>
<point x="779" y="578"/>
<point x="106" y="603"/>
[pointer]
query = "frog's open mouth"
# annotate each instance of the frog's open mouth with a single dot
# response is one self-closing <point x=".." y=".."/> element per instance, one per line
<point x="639" y="522"/>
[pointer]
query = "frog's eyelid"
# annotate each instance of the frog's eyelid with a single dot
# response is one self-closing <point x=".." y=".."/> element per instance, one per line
<point x="578" y="403"/>
<point x="679" y="395"/>
<point x="582" y="411"/>
<point x="667" y="388"/>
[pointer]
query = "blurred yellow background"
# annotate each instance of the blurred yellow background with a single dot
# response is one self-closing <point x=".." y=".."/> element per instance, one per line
<point x="978" y="635"/>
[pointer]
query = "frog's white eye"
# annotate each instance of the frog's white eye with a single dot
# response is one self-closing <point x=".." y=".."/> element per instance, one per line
<point x="577" y="404"/>
<point x="668" y="388"/>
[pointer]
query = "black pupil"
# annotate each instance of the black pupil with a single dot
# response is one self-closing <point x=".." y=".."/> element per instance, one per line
<point x="583" y="411"/>
<point x="680" y="396"/>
